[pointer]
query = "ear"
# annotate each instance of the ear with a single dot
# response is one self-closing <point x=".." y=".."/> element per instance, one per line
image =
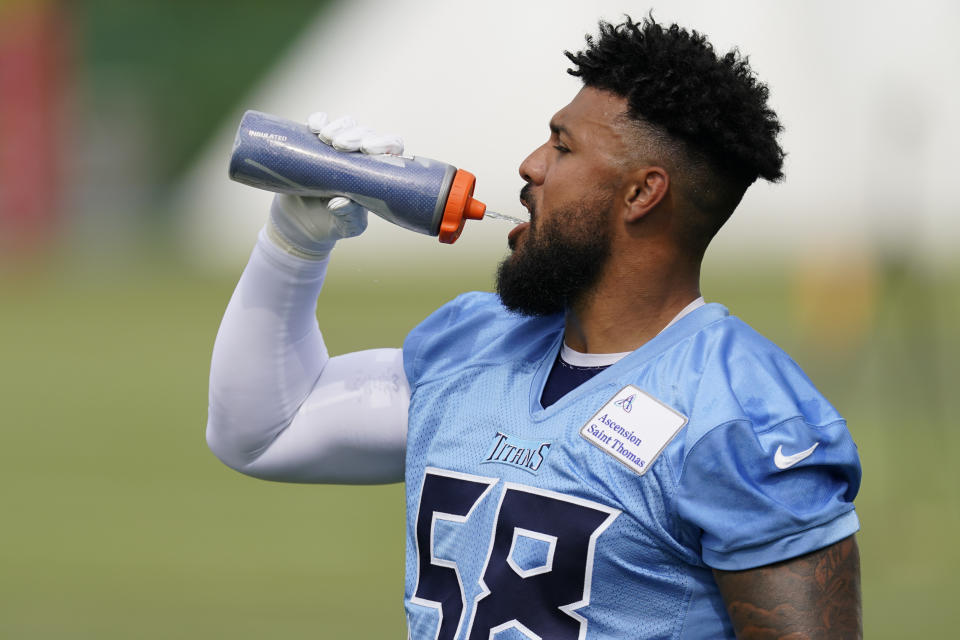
<point x="645" y="192"/>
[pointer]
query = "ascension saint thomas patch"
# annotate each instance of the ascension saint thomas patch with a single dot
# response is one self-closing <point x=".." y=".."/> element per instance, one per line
<point x="633" y="427"/>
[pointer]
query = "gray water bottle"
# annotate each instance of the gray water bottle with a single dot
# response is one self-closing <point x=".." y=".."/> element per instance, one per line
<point x="416" y="193"/>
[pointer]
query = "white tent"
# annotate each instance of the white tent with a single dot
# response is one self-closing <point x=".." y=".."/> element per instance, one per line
<point x="867" y="91"/>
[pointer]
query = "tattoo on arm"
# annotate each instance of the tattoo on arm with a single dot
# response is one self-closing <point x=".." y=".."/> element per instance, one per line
<point x="812" y="597"/>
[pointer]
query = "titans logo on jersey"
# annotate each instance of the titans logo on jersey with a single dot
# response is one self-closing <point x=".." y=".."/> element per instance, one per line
<point x="603" y="515"/>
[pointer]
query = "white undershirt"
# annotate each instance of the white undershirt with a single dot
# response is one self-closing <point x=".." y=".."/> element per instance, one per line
<point x="578" y="359"/>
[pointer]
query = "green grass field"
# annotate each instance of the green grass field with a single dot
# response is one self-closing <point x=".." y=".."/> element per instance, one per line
<point x="118" y="523"/>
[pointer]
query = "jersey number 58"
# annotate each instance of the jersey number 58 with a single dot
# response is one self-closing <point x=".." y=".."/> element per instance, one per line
<point x="539" y="602"/>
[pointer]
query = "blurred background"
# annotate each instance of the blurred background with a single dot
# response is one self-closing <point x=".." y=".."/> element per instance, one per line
<point x="121" y="239"/>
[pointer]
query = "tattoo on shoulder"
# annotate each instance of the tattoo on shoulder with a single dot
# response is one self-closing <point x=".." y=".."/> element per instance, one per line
<point x="805" y="598"/>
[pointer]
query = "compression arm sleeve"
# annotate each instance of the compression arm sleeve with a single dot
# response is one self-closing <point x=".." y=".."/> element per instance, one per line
<point x="280" y="407"/>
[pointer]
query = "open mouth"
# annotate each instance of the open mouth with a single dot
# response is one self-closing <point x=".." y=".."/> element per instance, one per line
<point x="515" y="234"/>
<point x="518" y="230"/>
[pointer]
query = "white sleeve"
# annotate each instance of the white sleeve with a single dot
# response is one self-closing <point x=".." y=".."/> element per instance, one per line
<point x="280" y="407"/>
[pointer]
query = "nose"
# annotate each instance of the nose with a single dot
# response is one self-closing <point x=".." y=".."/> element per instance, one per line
<point x="533" y="167"/>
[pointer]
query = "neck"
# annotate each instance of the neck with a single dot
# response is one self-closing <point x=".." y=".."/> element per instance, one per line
<point x="633" y="301"/>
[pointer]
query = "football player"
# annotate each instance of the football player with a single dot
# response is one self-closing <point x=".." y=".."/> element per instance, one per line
<point x="593" y="451"/>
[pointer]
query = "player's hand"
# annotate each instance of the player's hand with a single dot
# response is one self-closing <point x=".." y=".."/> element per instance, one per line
<point x="309" y="227"/>
<point x="344" y="134"/>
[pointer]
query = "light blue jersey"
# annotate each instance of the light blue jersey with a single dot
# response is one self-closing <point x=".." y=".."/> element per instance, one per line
<point x="603" y="515"/>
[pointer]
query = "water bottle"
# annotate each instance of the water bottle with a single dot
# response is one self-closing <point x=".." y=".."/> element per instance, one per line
<point x="416" y="193"/>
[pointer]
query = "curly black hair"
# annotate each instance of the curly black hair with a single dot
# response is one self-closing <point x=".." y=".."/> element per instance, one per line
<point x="704" y="116"/>
<point x="672" y="78"/>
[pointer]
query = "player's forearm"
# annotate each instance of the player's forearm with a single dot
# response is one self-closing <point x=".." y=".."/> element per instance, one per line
<point x="813" y="597"/>
<point x="267" y="356"/>
<point x="280" y="408"/>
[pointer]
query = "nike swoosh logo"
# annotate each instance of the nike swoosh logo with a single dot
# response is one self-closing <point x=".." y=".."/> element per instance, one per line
<point x="785" y="462"/>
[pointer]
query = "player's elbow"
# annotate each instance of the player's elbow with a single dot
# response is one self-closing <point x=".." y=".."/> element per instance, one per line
<point x="231" y="448"/>
<point x="223" y="449"/>
<point x="247" y="450"/>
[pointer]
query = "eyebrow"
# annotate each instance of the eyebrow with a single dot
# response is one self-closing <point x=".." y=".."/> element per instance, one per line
<point x="559" y="129"/>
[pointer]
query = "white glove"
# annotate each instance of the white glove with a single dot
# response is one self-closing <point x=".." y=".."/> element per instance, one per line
<point x="309" y="227"/>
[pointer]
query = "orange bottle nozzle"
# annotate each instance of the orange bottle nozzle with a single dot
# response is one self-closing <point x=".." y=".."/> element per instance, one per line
<point x="460" y="207"/>
<point x="475" y="209"/>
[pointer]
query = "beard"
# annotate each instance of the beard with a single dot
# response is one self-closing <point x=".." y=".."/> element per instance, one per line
<point x="555" y="266"/>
